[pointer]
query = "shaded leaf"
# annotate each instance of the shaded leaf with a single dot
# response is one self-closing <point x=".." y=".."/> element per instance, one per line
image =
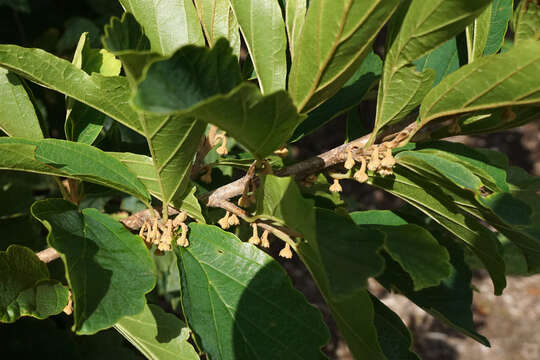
<point x="157" y="335"/>
<point x="263" y="28"/>
<point x="240" y="303"/>
<point x="443" y="60"/>
<point x="17" y="113"/>
<point x="478" y="33"/>
<point x="26" y="287"/>
<point x="109" y="270"/>
<point x="449" y="302"/>
<point x="497" y="81"/>
<point x="168" y="24"/>
<point x="83" y="124"/>
<point x="394" y="337"/>
<point x="65" y="158"/>
<point x="343" y="32"/>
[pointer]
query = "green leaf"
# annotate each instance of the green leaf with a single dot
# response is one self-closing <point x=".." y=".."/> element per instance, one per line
<point x="449" y="302"/>
<point x="343" y="32"/>
<point x="394" y="337"/>
<point x="83" y="124"/>
<point x="143" y="167"/>
<point x="70" y="159"/>
<point x="496" y="81"/>
<point x="352" y="94"/>
<point x="218" y="20"/>
<point x="17" y="113"/>
<point x="442" y="207"/>
<point x="526" y="21"/>
<point x="443" y="60"/>
<point x="200" y="83"/>
<point x="295" y="17"/>
<point x="157" y="335"/>
<point x="501" y="14"/>
<point x="168" y="24"/>
<point x="263" y="29"/>
<point x="108" y="94"/>
<point x="26" y="287"/>
<point x="17" y="5"/>
<point x="412" y="246"/>
<point x="426" y="25"/>
<point x="109" y="270"/>
<point x="240" y="303"/>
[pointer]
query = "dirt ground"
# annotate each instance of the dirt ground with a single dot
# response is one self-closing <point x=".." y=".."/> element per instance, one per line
<point x="511" y="322"/>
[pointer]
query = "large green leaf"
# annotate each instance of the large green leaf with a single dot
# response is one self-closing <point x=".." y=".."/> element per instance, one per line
<point x="143" y="167"/>
<point x="83" y="124"/>
<point x="199" y="83"/>
<point x="412" y="246"/>
<point x="450" y="302"/>
<point x="109" y="270"/>
<point x="157" y="334"/>
<point x="343" y="32"/>
<point x="477" y="34"/>
<point x="263" y="28"/>
<point x="70" y="159"/>
<point x="295" y="17"/>
<point x="526" y="21"/>
<point x="443" y="207"/>
<point x="240" y="302"/>
<point x="352" y="93"/>
<point x="108" y="94"/>
<point x="425" y="26"/>
<point x="26" y="287"/>
<point x="168" y="24"/>
<point x="17" y="114"/>
<point x="492" y="82"/>
<point x="218" y="20"/>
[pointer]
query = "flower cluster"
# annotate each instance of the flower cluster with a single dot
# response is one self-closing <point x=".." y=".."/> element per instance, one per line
<point x="156" y="233"/>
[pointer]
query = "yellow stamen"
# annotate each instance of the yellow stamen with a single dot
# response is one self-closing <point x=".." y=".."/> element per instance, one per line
<point x="264" y="239"/>
<point x="286" y="252"/>
<point x="336" y="187"/>
<point x="254" y="239"/>
<point x="154" y="235"/>
<point x="142" y="230"/>
<point x="224" y="221"/>
<point x="349" y="163"/>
